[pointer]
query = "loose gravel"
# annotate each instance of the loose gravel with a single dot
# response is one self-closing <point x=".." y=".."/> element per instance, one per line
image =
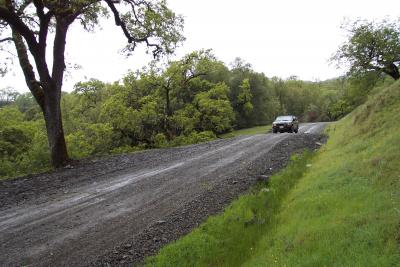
<point x="179" y="223"/>
<point x="123" y="226"/>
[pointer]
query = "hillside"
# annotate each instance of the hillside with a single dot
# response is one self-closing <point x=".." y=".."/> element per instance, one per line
<point x="346" y="209"/>
<point x="340" y="207"/>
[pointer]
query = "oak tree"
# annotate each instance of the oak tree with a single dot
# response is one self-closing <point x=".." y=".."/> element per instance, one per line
<point x="29" y="24"/>
<point x="371" y="46"/>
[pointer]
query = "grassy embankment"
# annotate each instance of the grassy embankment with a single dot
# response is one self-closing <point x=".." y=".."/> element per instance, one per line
<point x="343" y="210"/>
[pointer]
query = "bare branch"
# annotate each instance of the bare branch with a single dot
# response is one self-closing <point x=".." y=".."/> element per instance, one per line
<point x="118" y="20"/>
<point x="27" y="69"/>
<point x="15" y="22"/>
<point x="8" y="39"/>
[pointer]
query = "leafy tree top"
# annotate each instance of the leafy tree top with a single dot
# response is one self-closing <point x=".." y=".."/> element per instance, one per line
<point x="371" y="46"/>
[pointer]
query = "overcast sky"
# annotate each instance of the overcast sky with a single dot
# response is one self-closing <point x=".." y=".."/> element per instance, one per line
<point x="280" y="38"/>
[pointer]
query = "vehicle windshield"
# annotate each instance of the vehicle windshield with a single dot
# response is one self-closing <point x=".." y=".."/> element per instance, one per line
<point x="284" y="118"/>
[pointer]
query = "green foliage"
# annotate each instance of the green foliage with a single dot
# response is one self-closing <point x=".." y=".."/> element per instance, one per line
<point x="23" y="144"/>
<point x="95" y="139"/>
<point x="340" y="108"/>
<point x="190" y="100"/>
<point x="186" y="120"/>
<point x="371" y="46"/>
<point x="160" y="140"/>
<point x="216" y="111"/>
<point x="13" y="141"/>
<point x="244" y="99"/>
<point x="150" y="23"/>
<point x="344" y="212"/>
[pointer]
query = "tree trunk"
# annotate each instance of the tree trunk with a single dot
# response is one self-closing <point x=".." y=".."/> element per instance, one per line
<point x="54" y="127"/>
<point x="393" y="71"/>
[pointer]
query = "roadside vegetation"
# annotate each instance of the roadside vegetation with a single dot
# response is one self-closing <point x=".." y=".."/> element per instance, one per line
<point x="345" y="210"/>
<point x="248" y="131"/>
<point x="339" y="207"/>
<point x="195" y="99"/>
<point x="230" y="239"/>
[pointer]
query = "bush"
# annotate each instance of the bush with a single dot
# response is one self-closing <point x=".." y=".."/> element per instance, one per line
<point x="160" y="140"/>
<point x="94" y="139"/>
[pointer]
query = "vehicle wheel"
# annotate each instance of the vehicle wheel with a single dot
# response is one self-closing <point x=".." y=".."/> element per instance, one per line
<point x="296" y="130"/>
<point x="274" y="131"/>
<point x="291" y="130"/>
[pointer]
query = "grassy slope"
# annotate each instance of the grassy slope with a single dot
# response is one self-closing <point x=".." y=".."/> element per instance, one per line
<point x="344" y="210"/>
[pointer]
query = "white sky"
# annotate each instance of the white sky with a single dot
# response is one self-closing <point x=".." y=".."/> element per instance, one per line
<point x="280" y="38"/>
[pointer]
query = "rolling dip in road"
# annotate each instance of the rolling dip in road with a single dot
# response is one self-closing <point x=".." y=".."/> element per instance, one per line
<point x="86" y="212"/>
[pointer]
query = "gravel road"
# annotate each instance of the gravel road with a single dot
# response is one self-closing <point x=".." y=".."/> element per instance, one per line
<point x="117" y="210"/>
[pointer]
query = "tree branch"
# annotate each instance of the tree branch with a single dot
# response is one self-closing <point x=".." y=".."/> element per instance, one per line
<point x="43" y="26"/>
<point x="118" y="20"/>
<point x="15" y="22"/>
<point x="27" y="69"/>
<point x="24" y="5"/>
<point x="6" y="39"/>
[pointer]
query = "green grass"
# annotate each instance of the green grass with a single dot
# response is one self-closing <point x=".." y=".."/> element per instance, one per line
<point x="346" y="209"/>
<point x="343" y="210"/>
<point x="248" y="131"/>
<point x="230" y="238"/>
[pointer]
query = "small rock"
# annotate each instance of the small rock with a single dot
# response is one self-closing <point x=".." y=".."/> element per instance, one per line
<point x="265" y="189"/>
<point x="262" y="178"/>
<point x="234" y="182"/>
<point x="318" y="143"/>
<point x="128" y="245"/>
<point x="161" y="222"/>
<point x="68" y="167"/>
<point x="308" y="165"/>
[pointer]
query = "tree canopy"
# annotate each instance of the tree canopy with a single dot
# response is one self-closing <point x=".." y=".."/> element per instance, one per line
<point x="28" y="24"/>
<point x="371" y="46"/>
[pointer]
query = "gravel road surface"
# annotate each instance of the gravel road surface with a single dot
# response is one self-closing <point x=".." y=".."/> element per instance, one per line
<point x="117" y="210"/>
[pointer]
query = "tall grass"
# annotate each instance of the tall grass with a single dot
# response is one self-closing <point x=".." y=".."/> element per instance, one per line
<point x="346" y="210"/>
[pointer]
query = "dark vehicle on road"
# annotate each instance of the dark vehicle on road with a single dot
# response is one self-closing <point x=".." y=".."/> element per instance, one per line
<point x="287" y="123"/>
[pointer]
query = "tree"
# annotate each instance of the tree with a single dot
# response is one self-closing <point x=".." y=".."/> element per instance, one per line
<point x="27" y="24"/>
<point x="216" y="112"/>
<point x="371" y="46"/>
<point x="244" y="107"/>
